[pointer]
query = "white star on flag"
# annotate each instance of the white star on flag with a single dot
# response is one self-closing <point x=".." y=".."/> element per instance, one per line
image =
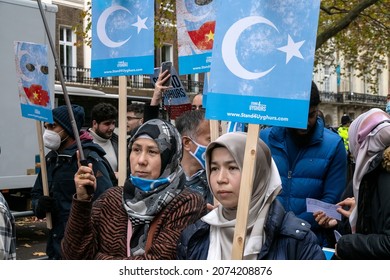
<point x="292" y="49"/>
<point x="140" y="24"/>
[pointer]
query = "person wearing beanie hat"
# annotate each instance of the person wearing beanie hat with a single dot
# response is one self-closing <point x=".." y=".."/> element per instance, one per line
<point x="61" y="166"/>
<point x="311" y="162"/>
<point x="61" y="116"/>
<point x="144" y="219"/>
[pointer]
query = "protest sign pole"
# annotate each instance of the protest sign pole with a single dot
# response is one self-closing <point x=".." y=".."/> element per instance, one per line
<point x="214" y="134"/>
<point x="214" y="129"/>
<point x="246" y="185"/>
<point x="45" y="186"/>
<point x="61" y="78"/>
<point x="122" y="149"/>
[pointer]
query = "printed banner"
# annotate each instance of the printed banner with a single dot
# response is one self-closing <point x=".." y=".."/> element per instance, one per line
<point x="122" y="38"/>
<point x="195" y="34"/>
<point x="262" y="62"/>
<point x="175" y="100"/>
<point x="32" y="71"/>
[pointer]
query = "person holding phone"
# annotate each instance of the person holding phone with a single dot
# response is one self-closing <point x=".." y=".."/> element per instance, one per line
<point x="152" y="110"/>
<point x="166" y="66"/>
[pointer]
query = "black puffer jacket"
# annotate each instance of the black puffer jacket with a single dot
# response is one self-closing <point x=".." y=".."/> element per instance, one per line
<point x="288" y="238"/>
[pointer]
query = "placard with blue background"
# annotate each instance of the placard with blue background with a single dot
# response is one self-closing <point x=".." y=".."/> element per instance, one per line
<point x="122" y="38"/>
<point x="195" y="35"/>
<point x="262" y="62"/>
<point x="32" y="72"/>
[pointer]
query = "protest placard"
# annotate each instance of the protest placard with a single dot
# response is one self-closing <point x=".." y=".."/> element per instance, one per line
<point x="195" y="35"/>
<point x="122" y="38"/>
<point x="175" y="99"/>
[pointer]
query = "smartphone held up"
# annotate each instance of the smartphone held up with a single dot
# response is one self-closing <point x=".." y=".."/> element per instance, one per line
<point x="166" y="65"/>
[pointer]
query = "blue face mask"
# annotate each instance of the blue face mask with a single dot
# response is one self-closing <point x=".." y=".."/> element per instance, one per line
<point x="147" y="185"/>
<point x="200" y="154"/>
<point x="388" y="107"/>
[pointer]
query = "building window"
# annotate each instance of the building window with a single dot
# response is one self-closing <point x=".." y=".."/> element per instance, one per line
<point x="68" y="53"/>
<point x="166" y="53"/>
<point x="326" y="79"/>
<point x="193" y="83"/>
<point x="350" y="78"/>
<point x="379" y="81"/>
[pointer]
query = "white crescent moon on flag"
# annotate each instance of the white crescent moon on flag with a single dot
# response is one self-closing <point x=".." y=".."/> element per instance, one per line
<point x="229" y="44"/>
<point x="101" y="27"/>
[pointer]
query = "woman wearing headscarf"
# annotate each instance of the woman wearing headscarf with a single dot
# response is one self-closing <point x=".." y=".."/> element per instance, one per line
<point x="271" y="232"/>
<point x="143" y="219"/>
<point x="369" y="139"/>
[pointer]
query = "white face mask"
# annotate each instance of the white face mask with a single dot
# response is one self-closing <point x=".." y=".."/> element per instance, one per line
<point x="52" y="139"/>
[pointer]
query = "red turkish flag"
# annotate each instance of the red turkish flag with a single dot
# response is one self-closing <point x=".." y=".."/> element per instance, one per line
<point x="203" y="38"/>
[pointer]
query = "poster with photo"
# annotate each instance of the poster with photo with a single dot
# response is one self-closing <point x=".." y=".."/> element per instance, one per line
<point x="32" y="71"/>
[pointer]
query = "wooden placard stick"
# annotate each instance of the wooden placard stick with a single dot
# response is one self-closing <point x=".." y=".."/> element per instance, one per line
<point x="122" y="123"/>
<point x="214" y="134"/>
<point x="45" y="186"/>
<point x="246" y="186"/>
<point x="214" y="129"/>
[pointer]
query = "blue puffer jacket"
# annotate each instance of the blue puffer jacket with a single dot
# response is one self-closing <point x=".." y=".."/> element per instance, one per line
<point x="287" y="238"/>
<point x="319" y="171"/>
<point x="61" y="169"/>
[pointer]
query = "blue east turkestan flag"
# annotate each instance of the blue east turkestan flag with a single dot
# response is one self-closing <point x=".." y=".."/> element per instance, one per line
<point x="122" y="38"/>
<point x="262" y="62"/>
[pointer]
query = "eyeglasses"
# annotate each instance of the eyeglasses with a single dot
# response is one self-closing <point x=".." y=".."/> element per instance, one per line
<point x="133" y="118"/>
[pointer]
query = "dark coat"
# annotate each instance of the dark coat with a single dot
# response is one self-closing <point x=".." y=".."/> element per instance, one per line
<point x="372" y="237"/>
<point x="61" y="169"/>
<point x="287" y="238"/>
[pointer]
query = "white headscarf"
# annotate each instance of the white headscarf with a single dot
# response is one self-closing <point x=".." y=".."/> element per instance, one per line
<point x="369" y="135"/>
<point x="266" y="186"/>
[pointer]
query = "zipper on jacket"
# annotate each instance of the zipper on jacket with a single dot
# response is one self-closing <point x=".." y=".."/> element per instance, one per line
<point x="289" y="174"/>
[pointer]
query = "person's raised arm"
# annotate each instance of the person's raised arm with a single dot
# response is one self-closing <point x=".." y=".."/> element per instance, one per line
<point x="159" y="88"/>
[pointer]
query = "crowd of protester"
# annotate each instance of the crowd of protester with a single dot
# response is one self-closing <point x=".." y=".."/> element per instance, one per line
<point x="180" y="198"/>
